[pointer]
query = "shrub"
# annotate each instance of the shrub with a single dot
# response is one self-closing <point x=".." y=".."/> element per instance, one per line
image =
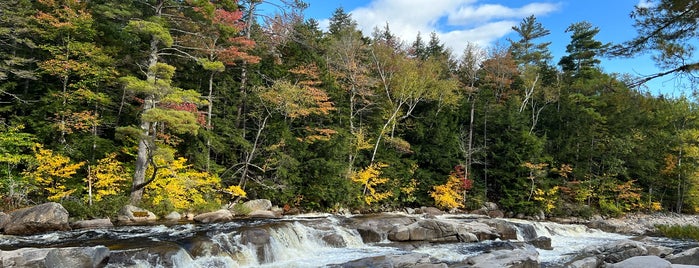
<point x="240" y="209"/>
<point x="679" y="231"/>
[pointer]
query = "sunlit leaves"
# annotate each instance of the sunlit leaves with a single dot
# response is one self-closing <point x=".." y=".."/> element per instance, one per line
<point x="299" y="99"/>
<point x="235" y="191"/>
<point x="13" y="143"/>
<point x="50" y="172"/>
<point x="449" y="195"/>
<point x="109" y="176"/>
<point x="182" y="186"/>
<point x="547" y="198"/>
<point x="370" y="178"/>
<point x="151" y="29"/>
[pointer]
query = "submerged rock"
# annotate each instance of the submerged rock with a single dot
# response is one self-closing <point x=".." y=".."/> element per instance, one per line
<point x="334" y="240"/>
<point x="541" y="242"/>
<point x="42" y="218"/>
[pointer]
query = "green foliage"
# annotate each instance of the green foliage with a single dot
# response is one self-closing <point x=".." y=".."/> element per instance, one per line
<point x="151" y="29"/>
<point x="609" y="208"/>
<point x="240" y="209"/>
<point x="215" y="66"/>
<point x="294" y="114"/>
<point x="679" y="231"/>
<point x="108" y="206"/>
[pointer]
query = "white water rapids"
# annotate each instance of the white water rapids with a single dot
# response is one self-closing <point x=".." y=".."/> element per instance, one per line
<point x="318" y="241"/>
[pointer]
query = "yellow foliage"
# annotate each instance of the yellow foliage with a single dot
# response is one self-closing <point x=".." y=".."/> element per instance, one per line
<point x="50" y="172"/>
<point x="180" y="185"/>
<point x="108" y="177"/>
<point x="547" y="198"/>
<point x="449" y="195"/>
<point x="370" y="178"/>
<point x="235" y="190"/>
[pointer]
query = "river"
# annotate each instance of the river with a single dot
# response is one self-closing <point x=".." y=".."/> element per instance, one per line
<point x="317" y="240"/>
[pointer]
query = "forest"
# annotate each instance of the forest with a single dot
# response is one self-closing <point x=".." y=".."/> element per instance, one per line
<point x="190" y="105"/>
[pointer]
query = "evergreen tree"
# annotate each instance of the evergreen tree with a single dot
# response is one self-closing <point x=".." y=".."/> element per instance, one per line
<point x="667" y="27"/>
<point x="583" y="49"/>
<point x="524" y="50"/>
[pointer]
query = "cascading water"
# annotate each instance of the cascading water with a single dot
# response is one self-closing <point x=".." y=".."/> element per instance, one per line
<point x="295" y="242"/>
<point x="317" y="241"/>
<point x="566" y="239"/>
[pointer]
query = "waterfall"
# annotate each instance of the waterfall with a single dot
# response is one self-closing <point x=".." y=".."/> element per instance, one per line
<point x="296" y="243"/>
<point x="566" y="239"/>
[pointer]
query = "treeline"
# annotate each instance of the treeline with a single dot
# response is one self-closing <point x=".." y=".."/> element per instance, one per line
<point x="187" y="105"/>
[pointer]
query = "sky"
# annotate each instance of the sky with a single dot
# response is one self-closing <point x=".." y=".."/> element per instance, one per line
<point x="489" y="22"/>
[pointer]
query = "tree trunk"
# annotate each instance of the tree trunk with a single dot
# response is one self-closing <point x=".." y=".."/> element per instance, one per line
<point x="240" y="120"/>
<point x="251" y="155"/>
<point x="210" y="98"/>
<point x="144" y="146"/>
<point x="383" y="130"/>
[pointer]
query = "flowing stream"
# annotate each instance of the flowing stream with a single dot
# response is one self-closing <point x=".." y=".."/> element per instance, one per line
<point x="302" y="241"/>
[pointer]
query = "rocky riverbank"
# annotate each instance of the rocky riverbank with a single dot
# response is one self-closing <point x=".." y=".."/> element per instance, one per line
<point x="423" y="237"/>
<point x="642" y="224"/>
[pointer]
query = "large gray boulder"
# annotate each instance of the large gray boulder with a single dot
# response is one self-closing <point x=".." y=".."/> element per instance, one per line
<point x="688" y="257"/>
<point x="161" y="255"/>
<point x="410" y="260"/>
<point x="96" y="223"/>
<point x="42" y="218"/>
<point x="263" y="214"/>
<point x="134" y="214"/>
<point x="373" y="228"/>
<point x="78" y="257"/>
<point x="173" y="216"/>
<point x="258" y="204"/>
<point x="431" y="231"/>
<point x="521" y="256"/>
<point x="642" y="261"/>
<point x="221" y="215"/>
<point x="613" y="252"/>
<point x="589" y="262"/>
<point x="4" y="219"/>
<point x="506" y="230"/>
<point x="24" y="257"/>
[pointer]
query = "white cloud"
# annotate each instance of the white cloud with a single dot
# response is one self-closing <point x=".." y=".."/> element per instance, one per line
<point x="455" y="21"/>
<point x="645" y="4"/>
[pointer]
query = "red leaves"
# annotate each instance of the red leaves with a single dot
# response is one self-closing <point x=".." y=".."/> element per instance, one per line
<point x="460" y="173"/>
<point x="237" y="51"/>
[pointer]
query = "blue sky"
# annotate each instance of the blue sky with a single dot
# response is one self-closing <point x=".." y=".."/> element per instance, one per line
<point x="487" y="22"/>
